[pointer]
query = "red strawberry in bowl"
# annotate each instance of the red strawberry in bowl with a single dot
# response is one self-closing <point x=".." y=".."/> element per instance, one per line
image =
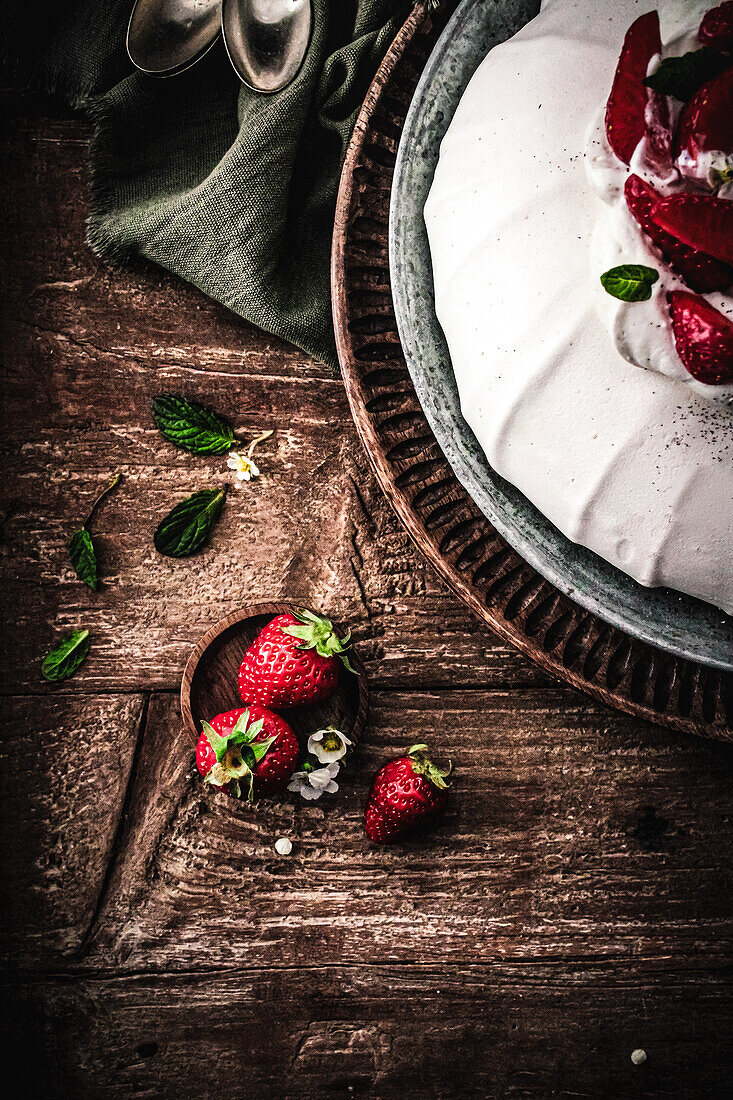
<point x="247" y="751"/>
<point x="295" y="660"/>
<point x="716" y="29"/>
<point x="627" y="104"/>
<point x="703" y="337"/>
<point x="701" y="272"/>
<point x="407" y="795"/>
<point x="706" y="126"/>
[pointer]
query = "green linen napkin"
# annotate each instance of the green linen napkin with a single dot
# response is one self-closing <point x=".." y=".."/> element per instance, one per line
<point x="231" y="190"/>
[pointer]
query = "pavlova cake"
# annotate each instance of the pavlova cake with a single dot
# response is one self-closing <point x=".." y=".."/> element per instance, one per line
<point x="581" y="230"/>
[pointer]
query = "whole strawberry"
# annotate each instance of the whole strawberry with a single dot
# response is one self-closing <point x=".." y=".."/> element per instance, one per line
<point x="407" y="795"/>
<point x="294" y="660"/>
<point x="248" y="750"/>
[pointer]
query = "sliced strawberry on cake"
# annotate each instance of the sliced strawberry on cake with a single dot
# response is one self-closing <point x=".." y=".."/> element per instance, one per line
<point x="703" y="337"/>
<point x="700" y="271"/>
<point x="700" y="221"/>
<point x="716" y="29"/>
<point x="704" y="139"/>
<point x="627" y="104"/>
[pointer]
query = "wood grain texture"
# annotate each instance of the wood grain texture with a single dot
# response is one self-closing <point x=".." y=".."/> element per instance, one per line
<point x="567" y="837"/>
<point x="65" y="767"/>
<point x="475" y="1031"/>
<point x="572" y="907"/>
<point x="575" y="903"/>
<point x="85" y="350"/>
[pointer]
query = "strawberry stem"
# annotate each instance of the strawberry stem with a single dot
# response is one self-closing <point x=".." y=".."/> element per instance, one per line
<point x="237" y="754"/>
<point x="423" y="765"/>
<point x="316" y="632"/>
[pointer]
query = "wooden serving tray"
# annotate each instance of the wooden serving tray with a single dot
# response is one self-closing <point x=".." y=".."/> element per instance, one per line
<point x="442" y="519"/>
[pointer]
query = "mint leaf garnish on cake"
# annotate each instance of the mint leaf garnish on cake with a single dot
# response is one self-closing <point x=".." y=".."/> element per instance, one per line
<point x="630" y="282"/>
<point x="682" y="76"/>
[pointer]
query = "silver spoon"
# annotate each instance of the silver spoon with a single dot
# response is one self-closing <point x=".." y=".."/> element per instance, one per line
<point x="267" y="40"/>
<point x="164" y="37"/>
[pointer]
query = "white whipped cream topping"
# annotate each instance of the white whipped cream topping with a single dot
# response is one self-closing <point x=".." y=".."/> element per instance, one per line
<point x="626" y="462"/>
<point x="642" y="331"/>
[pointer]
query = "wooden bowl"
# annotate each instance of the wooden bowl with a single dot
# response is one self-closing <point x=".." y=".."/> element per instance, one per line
<point x="209" y="684"/>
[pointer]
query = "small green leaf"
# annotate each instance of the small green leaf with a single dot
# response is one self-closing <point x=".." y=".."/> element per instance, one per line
<point x="240" y="726"/>
<point x="83" y="557"/>
<point x="187" y="527"/>
<point x="253" y="731"/>
<point x="422" y="765"/>
<point x="260" y="748"/>
<point x="244" y="733"/>
<point x="343" y="657"/>
<point x="306" y="616"/>
<point x="65" y="658"/>
<point x="630" y="282"/>
<point x="193" y="427"/>
<point x="219" y="744"/>
<point x="302" y="633"/>
<point x="682" y="76"/>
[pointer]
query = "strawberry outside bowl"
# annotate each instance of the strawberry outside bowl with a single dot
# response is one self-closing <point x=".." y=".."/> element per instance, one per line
<point x="209" y="684"/>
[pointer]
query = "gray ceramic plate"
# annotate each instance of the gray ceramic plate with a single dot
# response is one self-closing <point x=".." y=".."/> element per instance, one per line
<point x="667" y="619"/>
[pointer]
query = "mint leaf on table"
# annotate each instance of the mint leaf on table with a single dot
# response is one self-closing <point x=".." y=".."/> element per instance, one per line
<point x="83" y="557"/>
<point x="65" y="658"/>
<point x="682" y="76"/>
<point x="193" y="427"/>
<point x="630" y="282"/>
<point x="188" y="526"/>
<point x="81" y="546"/>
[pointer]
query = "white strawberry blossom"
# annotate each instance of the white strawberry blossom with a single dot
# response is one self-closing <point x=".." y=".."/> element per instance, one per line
<point x="243" y="463"/>
<point x="245" y="467"/>
<point x="311" y="785"/>
<point x="328" y="745"/>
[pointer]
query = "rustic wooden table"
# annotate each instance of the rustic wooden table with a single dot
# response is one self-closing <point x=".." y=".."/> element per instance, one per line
<point x="574" y="905"/>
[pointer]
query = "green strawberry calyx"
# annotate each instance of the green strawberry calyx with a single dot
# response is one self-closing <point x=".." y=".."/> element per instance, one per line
<point x="317" y="633"/>
<point x="237" y="755"/>
<point x="423" y="765"/>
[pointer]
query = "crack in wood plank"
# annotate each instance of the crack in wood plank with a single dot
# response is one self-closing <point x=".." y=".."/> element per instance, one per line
<point x="548" y="969"/>
<point x="116" y="843"/>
